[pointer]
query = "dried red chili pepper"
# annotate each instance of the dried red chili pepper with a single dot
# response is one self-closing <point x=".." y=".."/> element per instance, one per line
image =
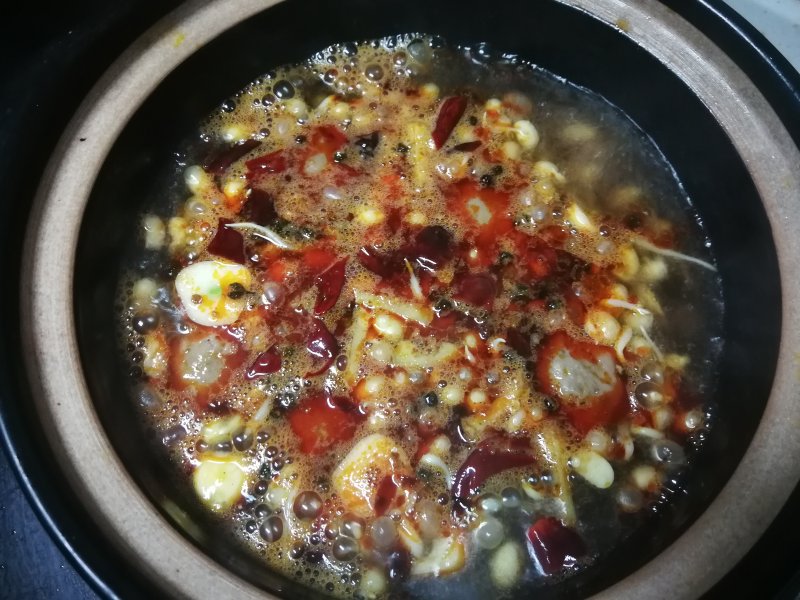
<point x="227" y="243"/>
<point x="479" y="289"/>
<point x="329" y="286"/>
<point x="576" y="309"/>
<point x="321" y="344"/>
<point x="542" y="259"/>
<point x="218" y="163"/>
<point x="431" y="248"/>
<point x="259" y="208"/>
<point x="318" y="258"/>
<point x="327" y="139"/>
<point x="445" y="322"/>
<point x="274" y="162"/>
<point x="465" y="146"/>
<point x="519" y="342"/>
<point x="385" y="265"/>
<point x="387" y="489"/>
<point x="344" y="173"/>
<point x="450" y="113"/>
<point x="320" y="421"/>
<point x="264" y="364"/>
<point x="490" y="457"/>
<point x="554" y="547"/>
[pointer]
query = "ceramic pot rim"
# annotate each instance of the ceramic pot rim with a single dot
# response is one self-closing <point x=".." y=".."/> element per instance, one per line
<point x="750" y="500"/>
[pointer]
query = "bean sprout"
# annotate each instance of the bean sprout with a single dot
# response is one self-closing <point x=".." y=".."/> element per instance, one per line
<point x="262" y="232"/>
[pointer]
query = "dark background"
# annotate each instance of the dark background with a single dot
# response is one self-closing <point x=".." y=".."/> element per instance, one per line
<point x="50" y="55"/>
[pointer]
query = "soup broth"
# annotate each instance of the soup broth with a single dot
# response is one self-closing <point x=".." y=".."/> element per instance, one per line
<point x="422" y="320"/>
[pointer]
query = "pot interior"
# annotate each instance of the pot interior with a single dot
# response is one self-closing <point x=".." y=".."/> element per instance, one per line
<point x="559" y="38"/>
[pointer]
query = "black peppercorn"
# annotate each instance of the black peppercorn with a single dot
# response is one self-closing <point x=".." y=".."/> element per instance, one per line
<point x="431" y="399"/>
<point x="236" y="290"/>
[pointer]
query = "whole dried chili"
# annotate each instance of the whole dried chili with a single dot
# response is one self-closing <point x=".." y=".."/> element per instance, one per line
<point x="449" y="114"/>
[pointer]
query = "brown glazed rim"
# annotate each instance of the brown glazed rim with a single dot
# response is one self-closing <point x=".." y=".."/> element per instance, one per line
<point x="710" y="547"/>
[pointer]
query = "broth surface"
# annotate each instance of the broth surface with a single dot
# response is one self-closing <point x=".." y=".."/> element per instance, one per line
<point x="423" y="320"/>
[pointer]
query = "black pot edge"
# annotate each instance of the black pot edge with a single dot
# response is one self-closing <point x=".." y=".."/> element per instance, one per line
<point x="752" y="52"/>
<point x="55" y="525"/>
<point x="82" y="34"/>
<point x="772" y="73"/>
